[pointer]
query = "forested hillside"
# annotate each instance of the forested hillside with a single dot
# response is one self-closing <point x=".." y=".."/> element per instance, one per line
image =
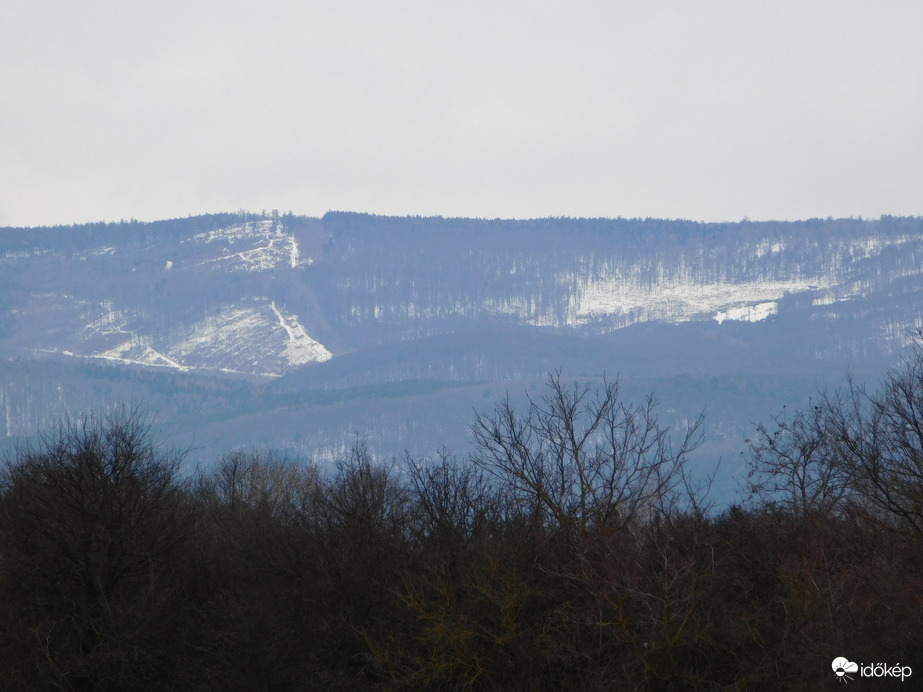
<point x="299" y="334"/>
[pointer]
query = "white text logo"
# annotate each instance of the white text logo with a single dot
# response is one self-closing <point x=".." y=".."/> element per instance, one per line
<point x="842" y="667"/>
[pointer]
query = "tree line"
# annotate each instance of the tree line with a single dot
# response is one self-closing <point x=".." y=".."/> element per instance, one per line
<point x="572" y="550"/>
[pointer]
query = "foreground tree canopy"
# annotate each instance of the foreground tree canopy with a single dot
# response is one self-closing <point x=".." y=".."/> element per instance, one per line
<point x="571" y="551"/>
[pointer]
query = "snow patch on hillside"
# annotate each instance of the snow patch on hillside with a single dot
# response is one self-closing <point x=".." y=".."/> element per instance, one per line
<point x="109" y="320"/>
<point x="768" y="247"/>
<point x="254" y="337"/>
<point x="872" y="246"/>
<point x="748" y="313"/>
<point x="299" y="347"/>
<point x="681" y="301"/>
<point x="258" y="338"/>
<point x="137" y="353"/>
<point x="254" y="246"/>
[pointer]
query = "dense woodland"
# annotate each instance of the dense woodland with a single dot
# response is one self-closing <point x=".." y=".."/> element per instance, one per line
<point x="572" y="550"/>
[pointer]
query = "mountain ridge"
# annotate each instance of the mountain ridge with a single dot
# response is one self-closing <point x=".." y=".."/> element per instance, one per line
<point x="286" y="303"/>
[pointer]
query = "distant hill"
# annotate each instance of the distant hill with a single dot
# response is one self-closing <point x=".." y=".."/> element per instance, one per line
<point x="302" y="333"/>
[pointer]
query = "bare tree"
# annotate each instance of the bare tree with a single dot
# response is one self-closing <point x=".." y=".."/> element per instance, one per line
<point x="850" y="449"/>
<point x="580" y="456"/>
<point x="91" y="520"/>
<point x="366" y="500"/>
<point x="263" y="481"/>
<point x="453" y="499"/>
<point x="796" y="467"/>
<point x="881" y="437"/>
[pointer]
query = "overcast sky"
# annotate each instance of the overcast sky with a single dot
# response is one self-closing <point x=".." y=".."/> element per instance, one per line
<point x="705" y="110"/>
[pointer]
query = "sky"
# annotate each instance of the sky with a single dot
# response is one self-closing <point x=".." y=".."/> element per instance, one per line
<point x="707" y="110"/>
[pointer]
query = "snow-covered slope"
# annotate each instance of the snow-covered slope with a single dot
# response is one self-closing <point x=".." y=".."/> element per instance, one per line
<point x="196" y="310"/>
<point x="254" y="246"/>
<point x="746" y="315"/>
<point x="251" y="337"/>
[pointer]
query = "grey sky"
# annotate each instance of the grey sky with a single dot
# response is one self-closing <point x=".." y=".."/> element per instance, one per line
<point x="704" y="110"/>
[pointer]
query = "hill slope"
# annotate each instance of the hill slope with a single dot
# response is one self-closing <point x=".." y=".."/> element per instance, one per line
<point x="300" y="333"/>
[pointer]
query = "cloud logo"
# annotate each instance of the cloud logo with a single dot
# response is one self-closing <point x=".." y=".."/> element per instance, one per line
<point x="842" y="666"/>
